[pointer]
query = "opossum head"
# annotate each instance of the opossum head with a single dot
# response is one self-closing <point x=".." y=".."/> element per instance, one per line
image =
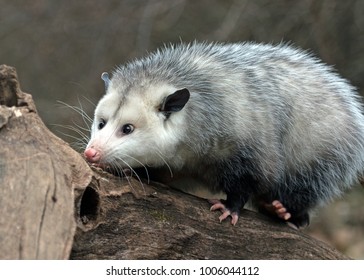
<point x="138" y="125"/>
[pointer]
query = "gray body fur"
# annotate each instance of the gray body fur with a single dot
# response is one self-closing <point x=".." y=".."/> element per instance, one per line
<point x="262" y="122"/>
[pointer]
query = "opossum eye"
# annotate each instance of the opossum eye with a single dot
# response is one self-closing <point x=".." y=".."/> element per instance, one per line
<point x="101" y="124"/>
<point x="127" y="128"/>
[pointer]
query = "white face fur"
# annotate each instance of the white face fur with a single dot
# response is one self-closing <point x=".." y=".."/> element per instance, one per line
<point x="140" y="131"/>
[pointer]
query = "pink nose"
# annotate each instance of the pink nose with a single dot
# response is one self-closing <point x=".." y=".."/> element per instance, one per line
<point x="92" y="155"/>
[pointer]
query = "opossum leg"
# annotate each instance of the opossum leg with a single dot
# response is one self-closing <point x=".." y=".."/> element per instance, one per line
<point x="302" y="220"/>
<point x="277" y="208"/>
<point x="230" y="207"/>
<point x="218" y="205"/>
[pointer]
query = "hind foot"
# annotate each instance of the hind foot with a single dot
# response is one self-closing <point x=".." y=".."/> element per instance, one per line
<point x="277" y="208"/>
<point x="226" y="212"/>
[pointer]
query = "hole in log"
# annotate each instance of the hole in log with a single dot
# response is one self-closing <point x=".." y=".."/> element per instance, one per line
<point x="90" y="205"/>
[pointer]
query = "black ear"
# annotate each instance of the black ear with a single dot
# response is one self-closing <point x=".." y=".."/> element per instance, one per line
<point x="175" y="101"/>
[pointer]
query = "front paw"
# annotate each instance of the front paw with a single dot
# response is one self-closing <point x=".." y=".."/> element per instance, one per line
<point x="226" y="212"/>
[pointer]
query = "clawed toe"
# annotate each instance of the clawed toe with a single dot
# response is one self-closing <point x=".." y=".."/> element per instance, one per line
<point x="218" y="205"/>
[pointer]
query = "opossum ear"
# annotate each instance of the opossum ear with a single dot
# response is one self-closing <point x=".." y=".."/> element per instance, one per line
<point x="175" y="101"/>
<point x="106" y="79"/>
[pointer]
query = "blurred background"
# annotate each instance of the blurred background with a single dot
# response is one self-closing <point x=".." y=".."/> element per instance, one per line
<point x="60" y="49"/>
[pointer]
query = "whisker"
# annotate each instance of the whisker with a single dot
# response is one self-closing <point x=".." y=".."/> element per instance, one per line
<point x="87" y="119"/>
<point x="82" y="131"/>
<point x="89" y="100"/>
<point x="81" y="140"/>
<point x="120" y="172"/>
<point x="159" y="153"/>
<point x="131" y="169"/>
<point x="145" y="168"/>
<point x="76" y="129"/>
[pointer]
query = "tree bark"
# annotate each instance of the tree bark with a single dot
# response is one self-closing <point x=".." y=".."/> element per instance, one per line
<point x="124" y="220"/>
<point x="54" y="206"/>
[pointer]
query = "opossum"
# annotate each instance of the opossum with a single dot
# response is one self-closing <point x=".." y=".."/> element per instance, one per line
<point x="269" y="123"/>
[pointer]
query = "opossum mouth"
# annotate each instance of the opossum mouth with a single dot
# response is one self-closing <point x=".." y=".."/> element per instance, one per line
<point x="100" y="165"/>
<point x="125" y="172"/>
